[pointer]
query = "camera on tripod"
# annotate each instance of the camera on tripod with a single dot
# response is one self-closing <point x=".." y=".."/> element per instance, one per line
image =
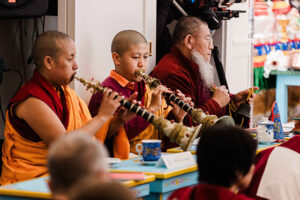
<point x="228" y="14"/>
<point x="212" y="11"/>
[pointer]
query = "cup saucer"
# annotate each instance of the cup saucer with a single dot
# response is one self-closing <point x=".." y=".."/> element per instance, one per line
<point x="266" y="142"/>
<point x="148" y="162"/>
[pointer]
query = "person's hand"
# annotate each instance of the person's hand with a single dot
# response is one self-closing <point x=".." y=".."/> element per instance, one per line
<point x="124" y="114"/>
<point x="241" y="97"/>
<point x="178" y="112"/>
<point x="221" y="96"/>
<point x="156" y="98"/>
<point x="110" y="103"/>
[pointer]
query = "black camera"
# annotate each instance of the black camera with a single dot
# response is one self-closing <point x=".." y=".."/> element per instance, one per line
<point x="212" y="11"/>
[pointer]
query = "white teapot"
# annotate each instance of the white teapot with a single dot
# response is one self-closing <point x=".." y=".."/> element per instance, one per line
<point x="265" y="131"/>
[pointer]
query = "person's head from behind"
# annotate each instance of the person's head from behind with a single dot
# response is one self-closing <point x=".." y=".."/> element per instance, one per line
<point x="130" y="53"/>
<point x="226" y="157"/>
<point x="74" y="157"/>
<point x="94" y="189"/>
<point x="54" y="55"/>
<point x="192" y="37"/>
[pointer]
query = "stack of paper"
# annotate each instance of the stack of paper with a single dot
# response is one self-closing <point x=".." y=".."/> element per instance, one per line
<point x="127" y="175"/>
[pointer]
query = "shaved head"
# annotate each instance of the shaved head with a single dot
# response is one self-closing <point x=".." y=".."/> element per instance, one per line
<point x="47" y="45"/>
<point x="185" y="26"/>
<point x="122" y="41"/>
<point x="73" y="157"/>
<point x="93" y="189"/>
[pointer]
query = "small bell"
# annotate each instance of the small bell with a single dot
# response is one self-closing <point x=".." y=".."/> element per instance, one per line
<point x="244" y="110"/>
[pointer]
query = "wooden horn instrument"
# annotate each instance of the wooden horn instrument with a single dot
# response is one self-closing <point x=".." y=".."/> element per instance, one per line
<point x="197" y="115"/>
<point x="177" y="132"/>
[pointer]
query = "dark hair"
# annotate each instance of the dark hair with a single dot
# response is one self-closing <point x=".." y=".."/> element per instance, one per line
<point x="47" y="45"/>
<point x="185" y="26"/>
<point x="123" y="39"/>
<point x="224" y="152"/>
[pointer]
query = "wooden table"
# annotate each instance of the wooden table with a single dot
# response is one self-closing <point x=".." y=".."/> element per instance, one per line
<point x="194" y="148"/>
<point x="166" y="180"/>
<point x="37" y="189"/>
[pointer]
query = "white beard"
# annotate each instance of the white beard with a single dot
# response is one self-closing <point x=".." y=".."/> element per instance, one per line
<point x="206" y="70"/>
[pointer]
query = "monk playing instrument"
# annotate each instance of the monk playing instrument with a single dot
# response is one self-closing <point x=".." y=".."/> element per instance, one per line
<point x="130" y="53"/>
<point x="187" y="68"/>
<point x="45" y="108"/>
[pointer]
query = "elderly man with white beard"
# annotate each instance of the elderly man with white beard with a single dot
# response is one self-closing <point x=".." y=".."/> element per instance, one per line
<point x="187" y="68"/>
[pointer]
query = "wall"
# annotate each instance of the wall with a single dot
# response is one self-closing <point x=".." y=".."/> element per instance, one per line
<point x="237" y="54"/>
<point x="93" y="27"/>
<point x="10" y="51"/>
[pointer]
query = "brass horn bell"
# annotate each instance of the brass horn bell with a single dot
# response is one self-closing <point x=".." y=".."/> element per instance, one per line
<point x="244" y="110"/>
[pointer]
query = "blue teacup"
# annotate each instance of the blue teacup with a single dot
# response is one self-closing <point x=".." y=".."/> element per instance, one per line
<point x="151" y="149"/>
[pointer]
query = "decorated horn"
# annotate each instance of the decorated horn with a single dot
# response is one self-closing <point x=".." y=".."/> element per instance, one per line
<point x="177" y="132"/>
<point x="198" y="115"/>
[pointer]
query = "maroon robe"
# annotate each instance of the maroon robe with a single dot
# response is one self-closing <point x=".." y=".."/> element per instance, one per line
<point x="262" y="161"/>
<point x="177" y="72"/>
<point x="39" y="88"/>
<point x="134" y="126"/>
<point x="206" y="192"/>
<point x="137" y="124"/>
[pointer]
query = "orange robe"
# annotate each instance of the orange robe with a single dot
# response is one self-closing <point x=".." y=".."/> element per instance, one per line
<point x="24" y="158"/>
<point x="150" y="132"/>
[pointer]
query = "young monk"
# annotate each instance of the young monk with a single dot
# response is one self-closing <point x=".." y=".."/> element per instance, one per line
<point x="225" y="157"/>
<point x="45" y="108"/>
<point x="130" y="53"/>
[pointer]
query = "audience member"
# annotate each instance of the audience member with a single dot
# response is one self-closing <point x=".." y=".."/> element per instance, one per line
<point x="73" y="158"/>
<point x="225" y="157"/>
<point x="96" y="189"/>
<point x="276" y="173"/>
